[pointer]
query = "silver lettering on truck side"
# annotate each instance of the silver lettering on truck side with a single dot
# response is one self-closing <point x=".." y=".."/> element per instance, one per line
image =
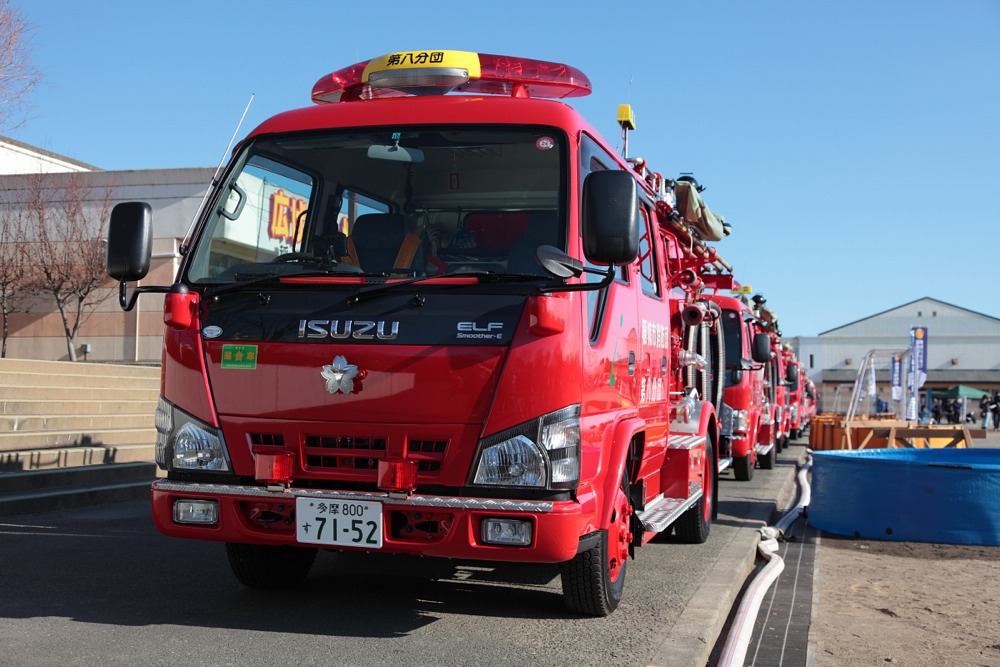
<point x="343" y="329"/>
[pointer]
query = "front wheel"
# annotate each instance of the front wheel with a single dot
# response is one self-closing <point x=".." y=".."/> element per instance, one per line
<point x="267" y="567"/>
<point x="767" y="460"/>
<point x="695" y="524"/>
<point x="594" y="580"/>
<point x="743" y="467"/>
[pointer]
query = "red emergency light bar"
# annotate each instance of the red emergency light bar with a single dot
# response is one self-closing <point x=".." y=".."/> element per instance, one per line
<point x="441" y="72"/>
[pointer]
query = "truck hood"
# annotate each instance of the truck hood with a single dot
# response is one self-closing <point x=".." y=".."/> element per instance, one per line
<point x="309" y="356"/>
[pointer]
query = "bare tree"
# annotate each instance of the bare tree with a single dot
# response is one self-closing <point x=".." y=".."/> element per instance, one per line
<point x="17" y="72"/>
<point x="67" y="217"/>
<point x="14" y="286"/>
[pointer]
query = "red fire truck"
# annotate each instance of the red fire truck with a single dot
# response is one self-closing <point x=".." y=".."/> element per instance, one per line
<point x="455" y="325"/>
<point x="795" y="387"/>
<point x="807" y="409"/>
<point x="777" y="377"/>
<point x="747" y="351"/>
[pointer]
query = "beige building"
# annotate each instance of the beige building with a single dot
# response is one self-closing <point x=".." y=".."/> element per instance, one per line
<point x="108" y="334"/>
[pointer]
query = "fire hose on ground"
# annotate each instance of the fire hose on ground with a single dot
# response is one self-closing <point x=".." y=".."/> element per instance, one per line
<point x="734" y="651"/>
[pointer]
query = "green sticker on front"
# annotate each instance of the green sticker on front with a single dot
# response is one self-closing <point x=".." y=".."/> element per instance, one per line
<point x="239" y="356"/>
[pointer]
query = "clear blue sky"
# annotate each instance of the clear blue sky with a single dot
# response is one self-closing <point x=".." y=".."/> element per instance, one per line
<point x="853" y="145"/>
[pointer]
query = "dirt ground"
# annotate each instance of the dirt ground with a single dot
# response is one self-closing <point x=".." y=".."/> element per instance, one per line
<point x="905" y="603"/>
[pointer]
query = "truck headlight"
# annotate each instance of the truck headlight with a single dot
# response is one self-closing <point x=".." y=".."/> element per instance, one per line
<point x="542" y="453"/>
<point x="741" y="420"/>
<point x="186" y="443"/>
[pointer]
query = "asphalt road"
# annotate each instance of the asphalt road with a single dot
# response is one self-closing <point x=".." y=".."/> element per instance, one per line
<point x="100" y="586"/>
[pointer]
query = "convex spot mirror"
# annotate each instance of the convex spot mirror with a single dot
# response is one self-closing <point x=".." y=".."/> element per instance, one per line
<point x="558" y="263"/>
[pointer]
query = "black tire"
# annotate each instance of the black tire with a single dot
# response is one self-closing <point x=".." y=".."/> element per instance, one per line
<point x="743" y="468"/>
<point x="695" y="524"/>
<point x="795" y="434"/>
<point x="593" y="582"/>
<point x="268" y="567"/>
<point x="766" y="461"/>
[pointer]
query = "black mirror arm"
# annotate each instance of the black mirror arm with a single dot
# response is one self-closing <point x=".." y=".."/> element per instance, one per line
<point x="128" y="304"/>
<point x="609" y="278"/>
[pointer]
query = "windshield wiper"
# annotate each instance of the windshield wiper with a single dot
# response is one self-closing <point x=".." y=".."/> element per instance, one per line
<point x="481" y="277"/>
<point x="243" y="281"/>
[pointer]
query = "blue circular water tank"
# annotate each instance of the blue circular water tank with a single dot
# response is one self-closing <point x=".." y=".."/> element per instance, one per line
<point x="944" y="496"/>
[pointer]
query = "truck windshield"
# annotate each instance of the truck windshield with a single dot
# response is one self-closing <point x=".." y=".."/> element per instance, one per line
<point x="388" y="202"/>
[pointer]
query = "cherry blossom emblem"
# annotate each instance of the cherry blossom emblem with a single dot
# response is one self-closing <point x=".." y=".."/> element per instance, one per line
<point x="339" y="375"/>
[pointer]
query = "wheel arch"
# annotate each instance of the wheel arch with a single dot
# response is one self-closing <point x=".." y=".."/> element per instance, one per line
<point x="628" y="433"/>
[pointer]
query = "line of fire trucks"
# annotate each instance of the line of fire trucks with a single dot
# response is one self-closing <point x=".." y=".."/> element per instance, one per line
<point x="436" y="313"/>
<point x="766" y="400"/>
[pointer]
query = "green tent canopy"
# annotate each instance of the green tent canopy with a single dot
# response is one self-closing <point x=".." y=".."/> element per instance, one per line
<point x="960" y="391"/>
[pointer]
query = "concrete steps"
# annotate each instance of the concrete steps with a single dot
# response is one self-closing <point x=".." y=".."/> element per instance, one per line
<point x="76" y="423"/>
<point x="74" y="434"/>
<point x="55" y="405"/>
<point x="66" y="488"/>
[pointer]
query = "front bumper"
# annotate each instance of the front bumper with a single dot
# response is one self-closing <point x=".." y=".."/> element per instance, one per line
<point x="442" y="526"/>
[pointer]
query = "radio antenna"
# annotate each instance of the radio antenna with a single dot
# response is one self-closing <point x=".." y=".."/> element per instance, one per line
<point x="215" y="176"/>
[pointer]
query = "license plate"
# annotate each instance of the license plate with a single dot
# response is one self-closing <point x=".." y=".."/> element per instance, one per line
<point x="341" y="523"/>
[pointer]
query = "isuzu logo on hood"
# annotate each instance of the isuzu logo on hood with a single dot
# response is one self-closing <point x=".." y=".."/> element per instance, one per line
<point x="344" y="329"/>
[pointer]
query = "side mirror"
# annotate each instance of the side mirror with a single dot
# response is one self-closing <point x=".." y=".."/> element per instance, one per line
<point x="792" y="375"/>
<point x="610" y="217"/>
<point x="761" y="351"/>
<point x="130" y="240"/>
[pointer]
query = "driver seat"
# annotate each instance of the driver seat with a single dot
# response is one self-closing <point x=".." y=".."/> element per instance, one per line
<point x="380" y="243"/>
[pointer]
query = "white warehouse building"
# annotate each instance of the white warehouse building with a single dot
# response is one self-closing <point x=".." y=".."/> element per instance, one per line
<point x="963" y="348"/>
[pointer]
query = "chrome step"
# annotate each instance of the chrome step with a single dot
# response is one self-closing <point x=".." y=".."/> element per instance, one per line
<point x="661" y="512"/>
<point x="725" y="463"/>
<point x="685" y="441"/>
